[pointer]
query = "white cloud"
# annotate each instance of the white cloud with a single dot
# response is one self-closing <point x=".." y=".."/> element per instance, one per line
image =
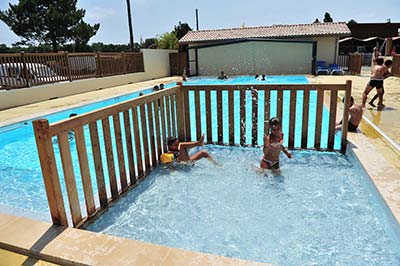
<point x="99" y="13"/>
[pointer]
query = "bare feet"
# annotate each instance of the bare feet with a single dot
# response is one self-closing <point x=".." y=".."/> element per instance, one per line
<point x="201" y="140"/>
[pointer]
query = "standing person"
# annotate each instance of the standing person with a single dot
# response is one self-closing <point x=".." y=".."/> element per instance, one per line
<point x="375" y="55"/>
<point x="355" y="112"/>
<point x="388" y="64"/>
<point x="222" y="76"/>
<point x="376" y="81"/>
<point x="184" y="76"/>
<point x="273" y="145"/>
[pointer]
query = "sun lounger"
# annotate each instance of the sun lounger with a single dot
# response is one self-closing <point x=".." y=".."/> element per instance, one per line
<point x="335" y="69"/>
<point x="322" y="69"/>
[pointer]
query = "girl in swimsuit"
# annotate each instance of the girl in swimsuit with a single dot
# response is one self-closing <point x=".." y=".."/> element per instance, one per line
<point x="180" y="150"/>
<point x="273" y="145"/>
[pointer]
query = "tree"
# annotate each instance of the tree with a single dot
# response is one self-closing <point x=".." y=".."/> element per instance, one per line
<point x="352" y="21"/>
<point x="316" y="21"/>
<point x="327" y="17"/>
<point x="150" y="43"/>
<point x="168" y="40"/>
<point x="53" y="22"/>
<point x="181" y="30"/>
<point x="82" y="34"/>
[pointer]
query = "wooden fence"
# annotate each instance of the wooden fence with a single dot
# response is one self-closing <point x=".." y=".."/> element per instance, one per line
<point x="355" y="63"/>
<point x="31" y="69"/>
<point x="177" y="63"/>
<point x="127" y="139"/>
<point x="396" y="65"/>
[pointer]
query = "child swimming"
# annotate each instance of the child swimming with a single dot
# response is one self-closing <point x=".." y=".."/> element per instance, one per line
<point x="273" y="145"/>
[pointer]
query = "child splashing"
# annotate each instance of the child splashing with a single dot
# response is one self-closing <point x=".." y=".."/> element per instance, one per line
<point x="273" y="145"/>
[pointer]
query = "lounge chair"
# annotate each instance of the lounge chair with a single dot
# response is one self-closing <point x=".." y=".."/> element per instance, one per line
<point x="322" y="69"/>
<point x="336" y="69"/>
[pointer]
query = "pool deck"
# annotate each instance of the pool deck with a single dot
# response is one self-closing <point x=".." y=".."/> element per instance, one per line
<point x="376" y="153"/>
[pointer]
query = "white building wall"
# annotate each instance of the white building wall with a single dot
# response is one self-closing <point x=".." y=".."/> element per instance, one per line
<point x="256" y="57"/>
<point x="327" y="49"/>
<point x="156" y="65"/>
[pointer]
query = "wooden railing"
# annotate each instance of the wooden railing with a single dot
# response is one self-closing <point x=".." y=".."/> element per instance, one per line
<point x="31" y="69"/>
<point x="396" y="65"/>
<point x="343" y="61"/>
<point x="127" y="139"/>
<point x="355" y="63"/>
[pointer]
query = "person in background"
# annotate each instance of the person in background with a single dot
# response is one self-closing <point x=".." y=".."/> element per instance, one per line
<point x="222" y="76"/>
<point x="393" y="52"/>
<point x="388" y="64"/>
<point x="375" y="55"/>
<point x="379" y="72"/>
<point x="273" y="145"/>
<point x="156" y="88"/>
<point x="141" y="94"/>
<point x="355" y="113"/>
<point x="184" y="77"/>
<point x="256" y="77"/>
<point x="161" y="86"/>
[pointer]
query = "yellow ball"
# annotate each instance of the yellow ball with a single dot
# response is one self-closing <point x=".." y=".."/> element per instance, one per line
<point x="167" y="157"/>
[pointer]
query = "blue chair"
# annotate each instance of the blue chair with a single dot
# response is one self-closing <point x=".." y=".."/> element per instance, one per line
<point x="322" y="69"/>
<point x="336" y="69"/>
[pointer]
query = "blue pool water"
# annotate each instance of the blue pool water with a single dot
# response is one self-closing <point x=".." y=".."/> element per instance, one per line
<point x="20" y="174"/>
<point x="303" y="217"/>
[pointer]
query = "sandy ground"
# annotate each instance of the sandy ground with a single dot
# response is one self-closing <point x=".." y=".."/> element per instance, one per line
<point x="388" y="119"/>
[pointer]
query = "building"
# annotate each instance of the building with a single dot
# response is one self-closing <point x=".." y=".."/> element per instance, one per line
<point x="276" y="49"/>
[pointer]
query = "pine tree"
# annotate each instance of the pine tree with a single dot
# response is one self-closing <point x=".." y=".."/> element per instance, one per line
<point x="327" y="17"/>
<point x="53" y="22"/>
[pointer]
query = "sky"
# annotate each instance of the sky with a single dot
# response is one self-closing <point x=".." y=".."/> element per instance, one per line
<point x="155" y="17"/>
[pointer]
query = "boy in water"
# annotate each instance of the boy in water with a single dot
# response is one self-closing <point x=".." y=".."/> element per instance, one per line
<point x="180" y="150"/>
<point x="378" y="75"/>
<point x="355" y="112"/>
<point x="388" y="64"/>
<point x="273" y="145"/>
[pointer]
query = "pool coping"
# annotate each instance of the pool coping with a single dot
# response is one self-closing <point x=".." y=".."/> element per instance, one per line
<point x="70" y="246"/>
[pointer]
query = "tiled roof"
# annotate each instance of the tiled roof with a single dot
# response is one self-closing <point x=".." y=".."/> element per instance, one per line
<point x="274" y="32"/>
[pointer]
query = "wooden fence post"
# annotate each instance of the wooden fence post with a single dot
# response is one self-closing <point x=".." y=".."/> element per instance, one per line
<point x="180" y="111"/>
<point x="100" y="70"/>
<point x="124" y="62"/>
<point x="25" y="70"/>
<point x="68" y="66"/>
<point x="49" y="171"/>
<point x="345" y="119"/>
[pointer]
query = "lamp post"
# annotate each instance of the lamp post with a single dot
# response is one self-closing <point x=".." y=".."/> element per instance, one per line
<point x="131" y="43"/>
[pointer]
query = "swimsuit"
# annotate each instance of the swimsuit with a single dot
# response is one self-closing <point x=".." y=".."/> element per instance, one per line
<point x="271" y="165"/>
<point x="350" y="126"/>
<point x="176" y="154"/>
<point x="377" y="83"/>
<point x="274" y="150"/>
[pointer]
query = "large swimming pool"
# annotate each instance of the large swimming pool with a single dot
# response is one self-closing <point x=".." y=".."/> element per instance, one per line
<point x="322" y="210"/>
<point x="22" y="189"/>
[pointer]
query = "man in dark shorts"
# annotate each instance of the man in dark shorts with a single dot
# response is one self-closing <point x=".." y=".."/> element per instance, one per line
<point x="378" y="75"/>
<point x="355" y="112"/>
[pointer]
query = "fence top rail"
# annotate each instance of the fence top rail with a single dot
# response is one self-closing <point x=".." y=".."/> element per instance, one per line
<point x="82" y="54"/>
<point x="267" y="87"/>
<point x="105" y="112"/>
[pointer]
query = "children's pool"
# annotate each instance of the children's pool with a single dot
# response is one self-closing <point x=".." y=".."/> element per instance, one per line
<point x="22" y="189"/>
<point x="303" y="217"/>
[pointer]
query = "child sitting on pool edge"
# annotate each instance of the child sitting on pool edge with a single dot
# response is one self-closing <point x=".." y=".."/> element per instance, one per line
<point x="273" y="145"/>
<point x="180" y="150"/>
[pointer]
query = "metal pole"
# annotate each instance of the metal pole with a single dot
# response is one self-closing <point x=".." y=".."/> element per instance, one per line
<point x="197" y="19"/>
<point x="131" y="43"/>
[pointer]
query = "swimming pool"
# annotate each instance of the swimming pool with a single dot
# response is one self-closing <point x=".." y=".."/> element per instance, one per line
<point x="20" y="173"/>
<point x="303" y="217"/>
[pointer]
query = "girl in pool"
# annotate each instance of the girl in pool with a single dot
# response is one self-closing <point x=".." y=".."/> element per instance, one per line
<point x="273" y="145"/>
<point x="180" y="150"/>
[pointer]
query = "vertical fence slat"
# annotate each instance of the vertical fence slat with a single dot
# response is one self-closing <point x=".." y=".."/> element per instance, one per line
<point x="267" y="111"/>
<point x="254" y="137"/>
<point x="168" y="116"/>
<point x="49" y="172"/>
<point x="69" y="178"/>
<point x="85" y="171"/>
<point x="120" y="151"/>
<point x="318" y="119"/>
<point x="304" y="134"/>
<point x="129" y="148"/>
<point x="158" y="133"/>
<point x="187" y="115"/>
<point x="145" y="138"/>
<point x="163" y="127"/>
<point x="180" y="109"/>
<point x="198" y="113"/>
<point x="151" y="134"/>
<point x="98" y="164"/>
<point x="345" y="119"/>
<point x="242" y="117"/>
<point x="208" y="116"/>
<point x="219" y="116"/>
<point x="292" y="118"/>
<point x="110" y="157"/>
<point x="332" y="119"/>
<point x="231" y="117"/>
<point x="138" y="149"/>
<point x="173" y="115"/>
<point x="280" y="103"/>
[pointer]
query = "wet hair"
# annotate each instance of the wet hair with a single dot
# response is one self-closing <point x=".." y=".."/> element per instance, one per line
<point x="274" y="121"/>
<point x="140" y="93"/>
<point x="256" y="76"/>
<point x="379" y="61"/>
<point x="161" y="84"/>
<point x="388" y="62"/>
<point x="171" y="140"/>
<point x="351" y="99"/>
<point x="73" y="114"/>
